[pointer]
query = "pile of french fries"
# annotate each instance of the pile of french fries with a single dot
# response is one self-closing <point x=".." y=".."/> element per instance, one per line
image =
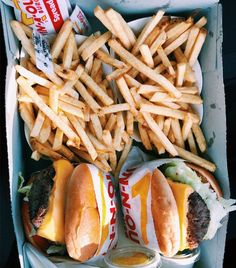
<point x="74" y="113"/>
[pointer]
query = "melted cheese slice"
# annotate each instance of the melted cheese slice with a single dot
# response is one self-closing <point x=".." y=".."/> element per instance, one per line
<point x="52" y="227"/>
<point x="181" y="193"/>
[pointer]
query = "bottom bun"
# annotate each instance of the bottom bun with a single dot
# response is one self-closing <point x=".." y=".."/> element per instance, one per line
<point x="82" y="223"/>
<point x="165" y="215"/>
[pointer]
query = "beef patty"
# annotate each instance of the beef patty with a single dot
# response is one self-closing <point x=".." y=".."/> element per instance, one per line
<point x="39" y="194"/>
<point x="198" y="220"/>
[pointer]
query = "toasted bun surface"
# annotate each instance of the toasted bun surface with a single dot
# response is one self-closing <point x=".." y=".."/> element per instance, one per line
<point x="206" y="175"/>
<point x="82" y="223"/>
<point x="165" y="215"/>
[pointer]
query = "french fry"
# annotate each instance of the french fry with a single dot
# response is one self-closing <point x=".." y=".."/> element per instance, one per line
<point x="155" y="109"/>
<point x="28" y="31"/>
<point x="168" y="104"/>
<point x="26" y="115"/>
<point x="36" y="155"/>
<point x="53" y="99"/>
<point x="197" y="46"/>
<point x="181" y="68"/>
<point x="145" y="89"/>
<point x="158" y="132"/>
<point x="131" y="81"/>
<point x="115" y="108"/>
<point x="124" y="90"/>
<point x="201" y="22"/>
<point x="61" y="39"/>
<point x="66" y="107"/>
<point x="113" y="160"/>
<point x="87" y="42"/>
<point x="118" y="130"/>
<point x="156" y="142"/>
<point x="167" y="126"/>
<point x="111" y="122"/>
<point x="165" y="60"/>
<point x="140" y="66"/>
<point x="82" y="134"/>
<point x="57" y="143"/>
<point x="103" y="160"/>
<point x="171" y="136"/>
<point x="44" y="150"/>
<point x="96" y="125"/>
<point x="75" y="56"/>
<point x="191" y="143"/>
<point x="87" y="97"/>
<point x="129" y="33"/>
<point x="192" y="158"/>
<point x="187" y="125"/>
<point x="146" y="55"/>
<point x="107" y="138"/>
<point x="129" y="123"/>
<point x="89" y="65"/>
<point x="44" y="131"/>
<point x="175" y="126"/>
<point x="117" y="73"/>
<point x="99" y="146"/>
<point x="201" y="141"/>
<point x="185" y="98"/>
<point x="160" y="121"/>
<point x="147" y="30"/>
<point x="115" y="20"/>
<point x="106" y="58"/>
<point x="144" y="137"/>
<point x="72" y="101"/>
<point x="47" y="111"/>
<point x="160" y="40"/>
<point x="95" y="45"/>
<point x="123" y="157"/>
<point x="95" y="68"/>
<point x="68" y="51"/>
<point x="37" y="124"/>
<point x="191" y="40"/>
<point x="87" y="80"/>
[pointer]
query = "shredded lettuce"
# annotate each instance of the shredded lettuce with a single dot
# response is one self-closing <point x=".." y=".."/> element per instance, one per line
<point x="24" y="189"/>
<point x="219" y="208"/>
<point x="56" y="249"/>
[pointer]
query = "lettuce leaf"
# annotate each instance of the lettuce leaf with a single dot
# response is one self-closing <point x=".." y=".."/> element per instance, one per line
<point x="56" y="249"/>
<point x="219" y="208"/>
<point x="24" y="189"/>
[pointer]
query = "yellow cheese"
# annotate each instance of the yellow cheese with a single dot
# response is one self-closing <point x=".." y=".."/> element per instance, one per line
<point x="134" y="259"/>
<point x="52" y="227"/>
<point x="181" y="193"/>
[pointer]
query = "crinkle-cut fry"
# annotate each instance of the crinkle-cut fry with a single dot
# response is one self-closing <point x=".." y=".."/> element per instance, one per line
<point x="44" y="150"/>
<point x="146" y="55"/>
<point x="197" y="46"/>
<point x="68" y="52"/>
<point x="95" y="45"/>
<point x="87" y="97"/>
<point x="147" y="30"/>
<point x="61" y="39"/>
<point x="155" y="109"/>
<point x="37" y="124"/>
<point x="115" y="108"/>
<point x="116" y="74"/>
<point x="187" y="125"/>
<point x="165" y="60"/>
<point x="131" y="82"/>
<point x="100" y="14"/>
<point x="181" y="69"/>
<point x="97" y="64"/>
<point x="111" y="122"/>
<point x="96" y="125"/>
<point x="69" y="108"/>
<point x="114" y="19"/>
<point x="192" y="158"/>
<point x="83" y="136"/>
<point x="125" y="92"/>
<point x="90" y="83"/>
<point x="191" y="40"/>
<point x="175" y="44"/>
<point x="45" y="131"/>
<point x="22" y="37"/>
<point x="48" y="111"/>
<point x="33" y="77"/>
<point x="89" y="65"/>
<point x="175" y="126"/>
<point x="129" y="123"/>
<point x="192" y="143"/>
<point x="160" y="40"/>
<point x="140" y="66"/>
<point x="87" y="42"/>
<point x="201" y="141"/>
<point x="26" y="115"/>
<point x="156" y="142"/>
<point x="144" y="137"/>
<point x="159" y="133"/>
<point x="106" y="58"/>
<point x="123" y="158"/>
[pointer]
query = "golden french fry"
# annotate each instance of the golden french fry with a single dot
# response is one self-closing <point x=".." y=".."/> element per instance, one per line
<point x="117" y="73"/>
<point x="124" y="90"/>
<point x="57" y="143"/>
<point x="160" y="40"/>
<point x="26" y="115"/>
<point x="168" y="104"/>
<point x="87" y="42"/>
<point x="191" y="40"/>
<point x="155" y="109"/>
<point x="156" y="142"/>
<point x="175" y="126"/>
<point x="111" y="122"/>
<point x="106" y="58"/>
<point x="75" y="57"/>
<point x="130" y="123"/>
<point x="68" y="51"/>
<point x="28" y="31"/>
<point x="115" y="108"/>
<point x="165" y="60"/>
<point x="181" y="69"/>
<point x="37" y="124"/>
<point x="140" y="66"/>
<point x="107" y="138"/>
<point x="61" y="38"/>
<point x="36" y="155"/>
<point x="185" y="98"/>
<point x="95" y="69"/>
<point x="96" y="125"/>
<point x="201" y="22"/>
<point x="167" y="126"/>
<point x="45" y="131"/>
<point x="66" y="107"/>
<point x="131" y="81"/>
<point x="147" y="30"/>
<point x="53" y="99"/>
<point x="187" y="125"/>
<point x="95" y="45"/>
<point x="113" y="160"/>
<point x="144" y="137"/>
<point x="160" y="121"/>
<point x="201" y="141"/>
<point x="171" y="136"/>
<point x="192" y="158"/>
<point x="89" y="65"/>
<point x="145" y="89"/>
<point x="191" y="143"/>
<point x="47" y="111"/>
<point x="99" y="146"/>
<point x="159" y="133"/>
<point x="129" y="33"/>
<point x="146" y="55"/>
